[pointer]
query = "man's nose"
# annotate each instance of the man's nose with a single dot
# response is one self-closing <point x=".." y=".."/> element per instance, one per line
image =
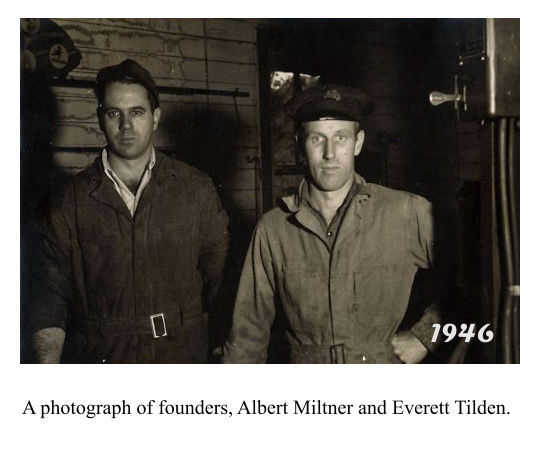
<point x="329" y="152"/>
<point x="125" y="121"/>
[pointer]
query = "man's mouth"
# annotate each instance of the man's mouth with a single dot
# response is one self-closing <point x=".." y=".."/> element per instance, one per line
<point x="127" y="139"/>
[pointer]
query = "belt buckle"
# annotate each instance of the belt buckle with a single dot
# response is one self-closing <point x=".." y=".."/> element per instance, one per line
<point x="153" y="323"/>
<point x="337" y="353"/>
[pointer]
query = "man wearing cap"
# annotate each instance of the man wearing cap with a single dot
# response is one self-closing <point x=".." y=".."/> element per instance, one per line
<point x="334" y="263"/>
<point x="131" y="245"/>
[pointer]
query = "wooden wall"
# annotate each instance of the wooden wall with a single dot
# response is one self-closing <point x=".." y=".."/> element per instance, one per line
<point x="218" y="134"/>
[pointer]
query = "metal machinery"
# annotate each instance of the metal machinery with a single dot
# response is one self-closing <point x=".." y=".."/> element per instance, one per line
<point x="486" y="89"/>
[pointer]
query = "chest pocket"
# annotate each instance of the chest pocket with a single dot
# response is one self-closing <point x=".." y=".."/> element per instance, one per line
<point x="305" y="297"/>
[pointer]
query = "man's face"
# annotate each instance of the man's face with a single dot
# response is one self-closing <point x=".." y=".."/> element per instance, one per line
<point x="127" y="120"/>
<point x="330" y="148"/>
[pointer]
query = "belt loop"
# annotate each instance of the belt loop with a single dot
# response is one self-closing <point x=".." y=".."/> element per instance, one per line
<point x="337" y="353"/>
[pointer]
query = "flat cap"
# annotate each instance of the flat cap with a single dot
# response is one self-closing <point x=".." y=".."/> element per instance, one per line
<point x="129" y="69"/>
<point x="329" y="102"/>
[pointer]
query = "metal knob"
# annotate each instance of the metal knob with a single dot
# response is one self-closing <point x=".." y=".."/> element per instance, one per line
<point x="438" y="98"/>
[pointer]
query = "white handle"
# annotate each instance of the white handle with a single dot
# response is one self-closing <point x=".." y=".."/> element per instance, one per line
<point x="438" y="98"/>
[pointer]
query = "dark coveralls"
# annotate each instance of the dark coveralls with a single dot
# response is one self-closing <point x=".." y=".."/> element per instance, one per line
<point x="102" y="274"/>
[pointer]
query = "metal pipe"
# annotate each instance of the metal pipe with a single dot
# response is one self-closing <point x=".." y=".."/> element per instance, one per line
<point x="494" y="265"/>
<point x="181" y="91"/>
<point x="512" y="199"/>
<point x="506" y="243"/>
<point x="515" y="327"/>
<point x="514" y="226"/>
<point x="507" y="328"/>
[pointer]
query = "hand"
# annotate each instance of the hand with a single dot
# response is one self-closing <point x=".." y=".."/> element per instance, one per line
<point x="48" y="344"/>
<point x="408" y="347"/>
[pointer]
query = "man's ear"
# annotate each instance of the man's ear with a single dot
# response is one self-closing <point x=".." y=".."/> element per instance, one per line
<point x="157" y="116"/>
<point x="359" y="142"/>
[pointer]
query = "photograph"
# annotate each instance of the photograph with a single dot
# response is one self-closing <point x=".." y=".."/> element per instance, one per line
<point x="272" y="190"/>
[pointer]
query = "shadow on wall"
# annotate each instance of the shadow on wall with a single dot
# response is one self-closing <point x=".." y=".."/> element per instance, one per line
<point x="37" y="176"/>
<point x="38" y="117"/>
<point x="208" y="140"/>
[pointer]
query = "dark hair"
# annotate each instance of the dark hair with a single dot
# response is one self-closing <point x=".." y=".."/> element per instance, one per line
<point x="129" y="72"/>
<point x="101" y="87"/>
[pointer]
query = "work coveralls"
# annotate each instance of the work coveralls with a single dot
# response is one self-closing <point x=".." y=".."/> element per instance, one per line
<point x="342" y="303"/>
<point x="101" y="274"/>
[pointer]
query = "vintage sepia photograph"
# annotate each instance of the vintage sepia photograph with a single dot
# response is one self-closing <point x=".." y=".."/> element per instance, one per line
<point x="280" y="191"/>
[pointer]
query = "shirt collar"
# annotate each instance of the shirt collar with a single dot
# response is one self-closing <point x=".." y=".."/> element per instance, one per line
<point x="108" y="169"/>
<point x="294" y="202"/>
<point x="305" y="196"/>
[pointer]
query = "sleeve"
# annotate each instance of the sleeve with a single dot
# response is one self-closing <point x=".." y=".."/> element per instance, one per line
<point x="421" y="231"/>
<point x="422" y="246"/>
<point x="50" y="270"/>
<point x="255" y="306"/>
<point x="214" y="240"/>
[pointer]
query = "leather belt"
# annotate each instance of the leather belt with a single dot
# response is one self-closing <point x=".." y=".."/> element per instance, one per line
<point x="341" y="353"/>
<point x="157" y="325"/>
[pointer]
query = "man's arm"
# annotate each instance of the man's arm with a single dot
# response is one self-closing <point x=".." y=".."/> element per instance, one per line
<point x="48" y="344"/>
<point x="214" y="242"/>
<point x="413" y="345"/>
<point x="255" y="305"/>
<point x="213" y="254"/>
<point x="51" y="284"/>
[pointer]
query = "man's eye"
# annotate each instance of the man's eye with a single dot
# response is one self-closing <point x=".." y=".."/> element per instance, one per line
<point x="137" y="113"/>
<point x="315" y="139"/>
<point x="112" y="113"/>
<point x="341" y="138"/>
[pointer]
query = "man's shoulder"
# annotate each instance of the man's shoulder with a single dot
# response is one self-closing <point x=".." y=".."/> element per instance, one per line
<point x="386" y="193"/>
<point x="89" y="174"/>
<point x="278" y="213"/>
<point x="392" y="197"/>
<point x="275" y="220"/>
<point x="182" y="171"/>
<point x="179" y="167"/>
<point x="65" y="184"/>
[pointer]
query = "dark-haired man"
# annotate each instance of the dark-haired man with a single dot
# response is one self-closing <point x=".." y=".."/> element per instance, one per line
<point x="336" y="261"/>
<point x="131" y="245"/>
